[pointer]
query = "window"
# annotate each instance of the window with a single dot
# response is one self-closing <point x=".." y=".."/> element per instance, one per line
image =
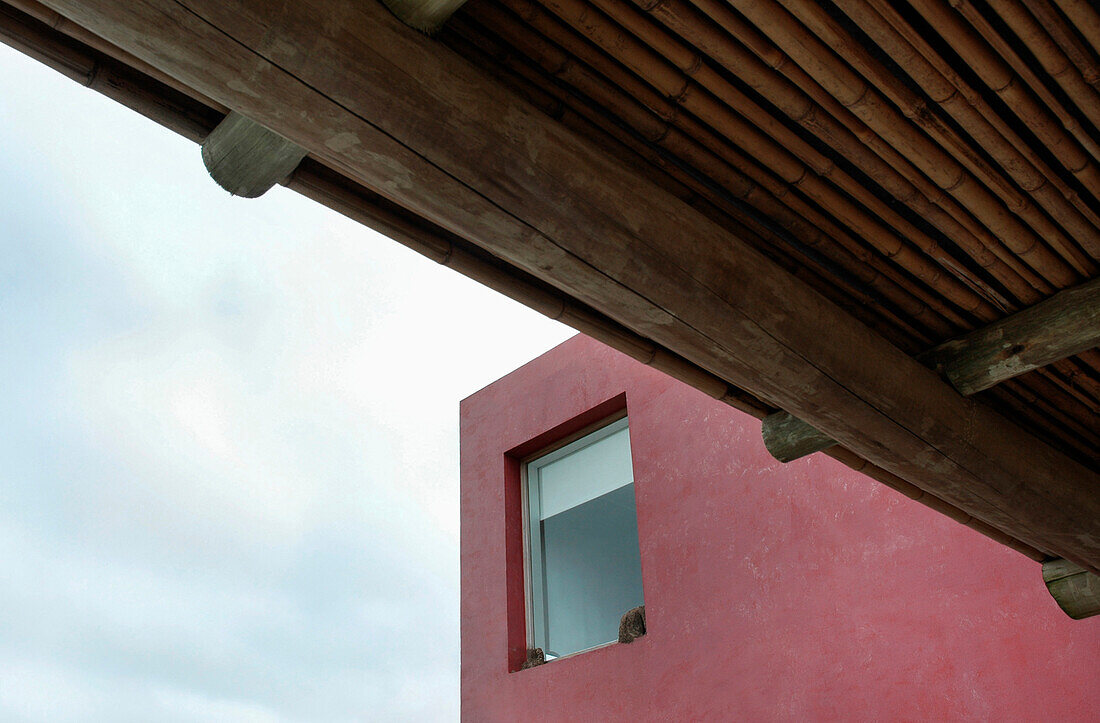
<point x="585" y="569"/>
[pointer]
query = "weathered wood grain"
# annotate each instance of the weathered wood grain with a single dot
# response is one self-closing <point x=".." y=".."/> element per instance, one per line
<point x="1067" y="323"/>
<point x="426" y="15"/>
<point x="788" y="438"/>
<point x="383" y="104"/>
<point x="114" y="78"/>
<point x="1077" y="591"/>
<point x="247" y="159"/>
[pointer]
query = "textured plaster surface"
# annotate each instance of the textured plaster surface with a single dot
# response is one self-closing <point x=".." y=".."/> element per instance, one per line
<point x="773" y="592"/>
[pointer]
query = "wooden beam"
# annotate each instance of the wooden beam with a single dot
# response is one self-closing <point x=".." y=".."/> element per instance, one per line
<point x="1076" y="590"/>
<point x="788" y="438"/>
<point x="247" y="159"/>
<point x="115" y="79"/>
<point x="428" y="16"/>
<point x="405" y="116"/>
<point x="1067" y="323"/>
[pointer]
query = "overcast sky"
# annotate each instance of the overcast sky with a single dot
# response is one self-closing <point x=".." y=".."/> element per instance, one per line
<point x="228" y="435"/>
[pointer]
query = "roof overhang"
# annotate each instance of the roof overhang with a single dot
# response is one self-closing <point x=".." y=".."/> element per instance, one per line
<point x="608" y="165"/>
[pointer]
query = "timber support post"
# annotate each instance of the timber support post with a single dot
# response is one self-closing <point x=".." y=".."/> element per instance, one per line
<point x="247" y="159"/>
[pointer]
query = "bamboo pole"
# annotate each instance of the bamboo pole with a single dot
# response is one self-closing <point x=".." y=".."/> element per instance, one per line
<point x="878" y="112"/>
<point x="1054" y="403"/>
<point x="1053" y="60"/>
<point x="1082" y="375"/>
<point x="1075" y="395"/>
<point x="695" y="67"/>
<point x="885" y="145"/>
<point x="959" y="102"/>
<point x="757" y="129"/>
<point x="987" y="127"/>
<point x="843" y="132"/>
<point x="1085" y="17"/>
<point x="1067" y="40"/>
<point x="993" y="69"/>
<point x="1042" y="99"/>
<point x="625" y="97"/>
<point x="1016" y="399"/>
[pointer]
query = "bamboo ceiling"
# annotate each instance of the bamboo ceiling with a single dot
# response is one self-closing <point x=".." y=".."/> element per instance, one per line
<point x="931" y="167"/>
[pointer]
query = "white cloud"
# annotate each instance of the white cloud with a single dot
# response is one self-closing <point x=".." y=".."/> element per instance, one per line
<point x="230" y="436"/>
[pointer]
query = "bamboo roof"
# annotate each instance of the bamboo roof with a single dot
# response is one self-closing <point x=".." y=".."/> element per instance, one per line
<point x="930" y="168"/>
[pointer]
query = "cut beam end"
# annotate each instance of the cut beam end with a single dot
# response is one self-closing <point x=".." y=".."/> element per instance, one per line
<point x="787" y="437"/>
<point x="1076" y="590"/>
<point x="247" y="159"/>
<point x="428" y="16"/>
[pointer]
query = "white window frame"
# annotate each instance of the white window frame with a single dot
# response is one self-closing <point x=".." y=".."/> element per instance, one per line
<point x="533" y="554"/>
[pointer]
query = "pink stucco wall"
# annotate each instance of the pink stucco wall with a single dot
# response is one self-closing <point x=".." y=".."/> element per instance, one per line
<point x="773" y="592"/>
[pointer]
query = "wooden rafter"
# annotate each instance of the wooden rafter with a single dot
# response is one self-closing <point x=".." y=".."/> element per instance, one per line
<point x="1068" y="323"/>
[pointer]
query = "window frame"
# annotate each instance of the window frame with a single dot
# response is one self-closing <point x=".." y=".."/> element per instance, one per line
<point x="535" y="605"/>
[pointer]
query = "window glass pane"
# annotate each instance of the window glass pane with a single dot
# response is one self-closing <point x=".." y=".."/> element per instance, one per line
<point x="586" y="473"/>
<point x="593" y="571"/>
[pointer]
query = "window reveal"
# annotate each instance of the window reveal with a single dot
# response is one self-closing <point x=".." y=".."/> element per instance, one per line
<point x="582" y="532"/>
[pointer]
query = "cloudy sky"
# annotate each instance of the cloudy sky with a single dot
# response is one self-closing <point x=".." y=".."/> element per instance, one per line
<point x="228" y="435"/>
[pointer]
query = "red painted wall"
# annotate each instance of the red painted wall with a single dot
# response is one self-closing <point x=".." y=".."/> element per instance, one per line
<point x="773" y="592"/>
